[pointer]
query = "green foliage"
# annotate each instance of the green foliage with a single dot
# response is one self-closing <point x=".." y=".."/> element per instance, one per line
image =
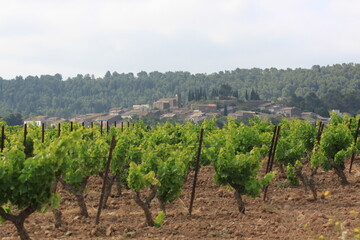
<point x="263" y="126"/>
<point x="29" y="147"/>
<point x="81" y="156"/>
<point x="26" y="181"/>
<point x="2" y="123"/>
<point x="335" y="145"/>
<point x="211" y="142"/>
<point x="356" y="147"/>
<point x="160" y="218"/>
<point x="241" y="169"/>
<point x="296" y="139"/>
<point x="7" y="210"/>
<point x="165" y="154"/>
<point x="245" y="138"/>
<point x="241" y="137"/>
<point x="170" y="166"/>
<point x="291" y="175"/>
<point x="167" y="151"/>
<point x="128" y="149"/>
<point x="138" y="180"/>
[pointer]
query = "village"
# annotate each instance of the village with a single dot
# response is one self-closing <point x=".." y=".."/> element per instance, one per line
<point x="172" y="109"/>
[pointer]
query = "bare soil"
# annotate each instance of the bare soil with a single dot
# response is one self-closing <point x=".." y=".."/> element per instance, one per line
<point x="289" y="213"/>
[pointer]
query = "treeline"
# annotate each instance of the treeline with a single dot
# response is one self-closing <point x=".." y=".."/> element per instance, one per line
<point x="52" y="96"/>
<point x="225" y="91"/>
<point x="333" y="99"/>
<point x="12" y="119"/>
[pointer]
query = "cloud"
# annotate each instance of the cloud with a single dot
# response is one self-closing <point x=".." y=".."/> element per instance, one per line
<point x="70" y="37"/>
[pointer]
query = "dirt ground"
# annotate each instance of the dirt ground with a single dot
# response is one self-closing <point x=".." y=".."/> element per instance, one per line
<point x="288" y="214"/>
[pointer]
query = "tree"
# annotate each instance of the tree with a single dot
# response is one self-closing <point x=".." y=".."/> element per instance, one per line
<point x="236" y="94"/>
<point x="14" y="119"/>
<point x="334" y="99"/>
<point x="254" y="95"/>
<point x="296" y="101"/>
<point x="58" y="77"/>
<point x="142" y="74"/>
<point x="108" y="74"/>
<point x="191" y="96"/>
<point x="225" y="110"/>
<point x="225" y="90"/>
<point x="314" y="104"/>
<point x="214" y="93"/>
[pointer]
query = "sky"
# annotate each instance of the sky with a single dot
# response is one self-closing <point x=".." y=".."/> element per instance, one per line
<point x="73" y="37"/>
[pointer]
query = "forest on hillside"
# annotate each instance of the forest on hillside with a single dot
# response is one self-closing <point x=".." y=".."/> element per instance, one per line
<point x="336" y="86"/>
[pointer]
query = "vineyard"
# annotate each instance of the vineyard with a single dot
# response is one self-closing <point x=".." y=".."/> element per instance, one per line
<point x="255" y="181"/>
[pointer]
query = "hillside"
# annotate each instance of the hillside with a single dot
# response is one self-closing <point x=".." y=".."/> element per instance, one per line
<point x="338" y="86"/>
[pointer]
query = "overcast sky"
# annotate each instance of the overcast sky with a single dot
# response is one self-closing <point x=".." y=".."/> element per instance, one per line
<point x="87" y="36"/>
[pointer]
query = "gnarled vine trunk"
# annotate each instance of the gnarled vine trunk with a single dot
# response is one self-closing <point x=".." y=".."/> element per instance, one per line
<point x="118" y="186"/>
<point x="145" y="208"/>
<point x="79" y="194"/>
<point x="238" y="197"/>
<point x="58" y="217"/>
<point x="19" y="220"/>
<point x="339" y="170"/>
<point x="109" y="183"/>
<point x="145" y="205"/>
<point x="82" y="205"/>
<point x="162" y="204"/>
<point x="308" y="181"/>
<point x="57" y="213"/>
<point x="282" y="171"/>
